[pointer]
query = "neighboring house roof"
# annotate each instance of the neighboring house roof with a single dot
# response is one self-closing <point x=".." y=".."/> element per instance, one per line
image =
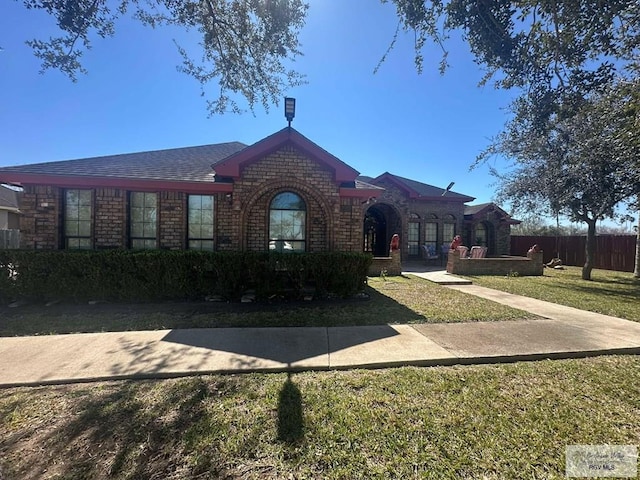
<point x="420" y="190"/>
<point x="232" y="166"/>
<point x="366" y="179"/>
<point x="8" y="199"/>
<point x="178" y="164"/>
<point x="360" y="183"/>
<point x="471" y="211"/>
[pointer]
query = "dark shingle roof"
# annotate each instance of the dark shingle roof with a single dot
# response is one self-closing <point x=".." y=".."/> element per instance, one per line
<point x="365" y="179"/>
<point x="425" y="190"/>
<point x="474" y="209"/>
<point x="471" y="210"/>
<point x="179" y="164"/>
<point x="8" y="198"/>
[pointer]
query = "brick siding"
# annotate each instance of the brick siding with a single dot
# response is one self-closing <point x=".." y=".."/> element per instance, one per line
<point x="110" y="216"/>
<point x="172" y="220"/>
<point x="288" y="170"/>
<point x="428" y="211"/>
<point x="531" y="265"/>
<point x="40" y="207"/>
<point x="242" y="217"/>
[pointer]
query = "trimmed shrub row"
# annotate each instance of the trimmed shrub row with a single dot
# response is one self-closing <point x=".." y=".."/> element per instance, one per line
<point x="145" y="276"/>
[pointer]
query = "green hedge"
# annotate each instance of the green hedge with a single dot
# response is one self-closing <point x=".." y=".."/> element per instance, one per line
<point x="144" y="276"/>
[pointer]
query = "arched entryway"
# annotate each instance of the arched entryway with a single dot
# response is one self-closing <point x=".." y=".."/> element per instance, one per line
<point x="484" y="235"/>
<point x="381" y="221"/>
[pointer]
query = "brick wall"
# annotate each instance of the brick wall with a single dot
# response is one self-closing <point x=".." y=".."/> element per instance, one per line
<point x="40" y="207"/>
<point x="432" y="211"/>
<point x="227" y="227"/>
<point x="499" y="233"/>
<point x="172" y="220"/>
<point x="349" y="227"/>
<point x="333" y="223"/>
<point x="386" y="265"/>
<point x="288" y="170"/>
<point x="503" y="239"/>
<point x="531" y="265"/>
<point x="242" y="217"/>
<point x="110" y="218"/>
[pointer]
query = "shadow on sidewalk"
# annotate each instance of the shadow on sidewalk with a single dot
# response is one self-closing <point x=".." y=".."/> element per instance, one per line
<point x="280" y="344"/>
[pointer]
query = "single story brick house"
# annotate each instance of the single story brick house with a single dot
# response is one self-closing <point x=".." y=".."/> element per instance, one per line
<point x="282" y="193"/>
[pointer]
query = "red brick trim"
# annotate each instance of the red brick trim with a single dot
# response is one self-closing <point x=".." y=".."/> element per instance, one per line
<point x="133" y="184"/>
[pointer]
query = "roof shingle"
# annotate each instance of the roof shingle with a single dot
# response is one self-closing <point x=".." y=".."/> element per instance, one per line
<point x="177" y="164"/>
<point x="419" y="188"/>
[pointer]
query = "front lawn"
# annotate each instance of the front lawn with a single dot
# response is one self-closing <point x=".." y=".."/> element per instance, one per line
<point x="609" y="292"/>
<point x="471" y="422"/>
<point x="390" y="300"/>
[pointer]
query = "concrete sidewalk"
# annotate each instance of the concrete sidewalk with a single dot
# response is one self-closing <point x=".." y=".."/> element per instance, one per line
<point x="565" y="332"/>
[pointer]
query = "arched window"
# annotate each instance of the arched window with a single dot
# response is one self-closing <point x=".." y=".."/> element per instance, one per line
<point x="481" y="235"/>
<point x="287" y="223"/>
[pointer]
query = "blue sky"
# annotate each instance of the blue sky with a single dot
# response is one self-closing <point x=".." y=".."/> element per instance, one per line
<point x="426" y="127"/>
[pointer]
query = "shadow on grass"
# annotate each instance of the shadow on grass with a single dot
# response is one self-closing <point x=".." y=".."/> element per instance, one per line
<point x="290" y="414"/>
<point x="622" y="303"/>
<point x="595" y="289"/>
<point x="144" y="430"/>
<point x="378" y="309"/>
<point x="141" y="433"/>
<point x="620" y="287"/>
<point x="630" y="281"/>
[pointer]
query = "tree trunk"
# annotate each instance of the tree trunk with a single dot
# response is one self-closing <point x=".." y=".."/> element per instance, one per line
<point x="590" y="250"/>
<point x="636" y="271"/>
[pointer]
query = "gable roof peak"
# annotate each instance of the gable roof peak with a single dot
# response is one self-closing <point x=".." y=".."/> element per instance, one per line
<point x="232" y="165"/>
<point x="417" y="189"/>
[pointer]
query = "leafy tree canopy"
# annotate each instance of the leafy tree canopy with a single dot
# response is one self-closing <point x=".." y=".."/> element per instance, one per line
<point x="581" y="166"/>
<point x="556" y="51"/>
<point x="246" y="44"/>
<point x="573" y="136"/>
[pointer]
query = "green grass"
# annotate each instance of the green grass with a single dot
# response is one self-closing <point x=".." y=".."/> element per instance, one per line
<point x="608" y="292"/>
<point x="492" y="422"/>
<point x="394" y="300"/>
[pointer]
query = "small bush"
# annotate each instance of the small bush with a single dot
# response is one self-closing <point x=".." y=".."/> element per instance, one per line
<point x="144" y="276"/>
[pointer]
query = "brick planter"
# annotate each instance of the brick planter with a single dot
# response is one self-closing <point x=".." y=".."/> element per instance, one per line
<point x="531" y="265"/>
<point x="391" y="265"/>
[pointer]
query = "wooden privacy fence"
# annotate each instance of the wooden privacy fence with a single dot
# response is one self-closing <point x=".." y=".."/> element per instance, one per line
<point x="9" y="238"/>
<point x="613" y="252"/>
